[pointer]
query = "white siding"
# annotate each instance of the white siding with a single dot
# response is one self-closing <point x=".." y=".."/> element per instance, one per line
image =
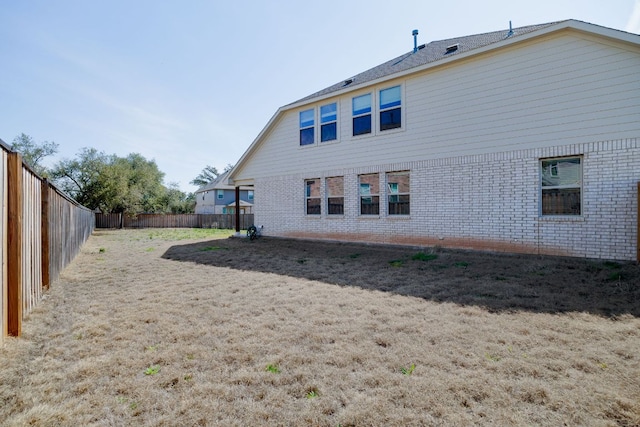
<point x="206" y="202"/>
<point x="564" y="89"/>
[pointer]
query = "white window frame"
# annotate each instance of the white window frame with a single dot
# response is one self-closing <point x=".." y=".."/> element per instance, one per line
<point x="371" y="114"/>
<point x="380" y="110"/>
<point x="305" y="126"/>
<point x="308" y="196"/>
<point x="364" y="191"/>
<point x="328" y="195"/>
<point x="391" y="192"/>
<point x="334" y="121"/>
<point x="318" y="124"/>
<point x="555" y="172"/>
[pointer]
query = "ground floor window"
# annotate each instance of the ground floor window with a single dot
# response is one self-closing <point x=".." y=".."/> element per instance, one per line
<point x="398" y="193"/>
<point x="335" y="195"/>
<point x="369" y="194"/>
<point x="561" y="186"/>
<point x="312" y="196"/>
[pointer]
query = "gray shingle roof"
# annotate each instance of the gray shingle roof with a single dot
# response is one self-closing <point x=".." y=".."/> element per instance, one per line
<point x="431" y="52"/>
<point x="220" y="183"/>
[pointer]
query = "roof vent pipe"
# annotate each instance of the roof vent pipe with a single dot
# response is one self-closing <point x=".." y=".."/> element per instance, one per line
<point x="415" y="40"/>
<point x="510" y="33"/>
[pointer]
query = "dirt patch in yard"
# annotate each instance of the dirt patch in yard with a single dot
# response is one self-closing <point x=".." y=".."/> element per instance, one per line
<point x="179" y="327"/>
<point x="494" y="281"/>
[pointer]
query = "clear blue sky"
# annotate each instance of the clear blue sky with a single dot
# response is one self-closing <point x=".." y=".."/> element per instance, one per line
<point x="191" y="83"/>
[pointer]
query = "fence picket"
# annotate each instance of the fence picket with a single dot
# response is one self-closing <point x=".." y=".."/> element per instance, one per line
<point x="221" y="221"/>
<point x="41" y="231"/>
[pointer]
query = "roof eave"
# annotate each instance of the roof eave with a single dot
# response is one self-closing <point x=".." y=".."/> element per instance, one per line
<point x="562" y="25"/>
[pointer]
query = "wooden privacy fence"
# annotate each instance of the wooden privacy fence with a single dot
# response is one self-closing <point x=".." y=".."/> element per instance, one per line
<point x="222" y="221"/>
<point x="41" y="231"/>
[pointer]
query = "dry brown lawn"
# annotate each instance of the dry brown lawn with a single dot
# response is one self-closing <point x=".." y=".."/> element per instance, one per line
<point x="146" y="329"/>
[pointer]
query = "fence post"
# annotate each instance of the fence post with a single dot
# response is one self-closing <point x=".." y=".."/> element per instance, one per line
<point x="44" y="230"/>
<point x="237" y="213"/>
<point x="14" y="246"/>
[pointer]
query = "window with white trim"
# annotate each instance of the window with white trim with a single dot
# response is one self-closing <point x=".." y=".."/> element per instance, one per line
<point x="250" y="194"/>
<point x="398" y="193"/>
<point x="335" y="195"/>
<point x="561" y="186"/>
<point x="312" y="196"/>
<point x="329" y="122"/>
<point x="391" y="108"/>
<point x="369" y="191"/>
<point x="307" y="127"/>
<point x="220" y="194"/>
<point x="361" y="110"/>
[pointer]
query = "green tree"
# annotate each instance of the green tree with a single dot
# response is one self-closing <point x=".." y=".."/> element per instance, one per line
<point x="208" y="174"/>
<point x="178" y="202"/>
<point x="86" y="179"/>
<point x="32" y="152"/>
<point x="110" y="183"/>
<point x="144" y="191"/>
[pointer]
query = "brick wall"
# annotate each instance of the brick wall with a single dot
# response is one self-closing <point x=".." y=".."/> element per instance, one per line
<point x="489" y="201"/>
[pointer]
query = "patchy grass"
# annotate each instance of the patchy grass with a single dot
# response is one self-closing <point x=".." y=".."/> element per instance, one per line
<point x="177" y="234"/>
<point x="421" y="256"/>
<point x="274" y="369"/>
<point x="409" y="370"/>
<point x="212" y="248"/>
<point x="251" y="336"/>
<point x="152" y="370"/>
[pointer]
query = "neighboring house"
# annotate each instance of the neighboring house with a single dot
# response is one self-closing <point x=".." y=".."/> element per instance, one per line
<point x="218" y="197"/>
<point x="522" y="140"/>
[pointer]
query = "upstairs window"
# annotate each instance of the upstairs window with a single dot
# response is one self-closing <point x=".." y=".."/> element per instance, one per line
<point x="390" y="108"/>
<point x="335" y="195"/>
<point x="369" y="194"/>
<point x="307" y="127"/>
<point x="312" y="196"/>
<point x="398" y="193"/>
<point x="561" y="185"/>
<point x="328" y="122"/>
<point x="220" y="194"/>
<point x="250" y="194"/>
<point x="361" y="106"/>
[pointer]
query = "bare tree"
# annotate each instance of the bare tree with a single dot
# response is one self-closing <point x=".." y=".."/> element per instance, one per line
<point x="32" y="152"/>
<point x="208" y="174"/>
